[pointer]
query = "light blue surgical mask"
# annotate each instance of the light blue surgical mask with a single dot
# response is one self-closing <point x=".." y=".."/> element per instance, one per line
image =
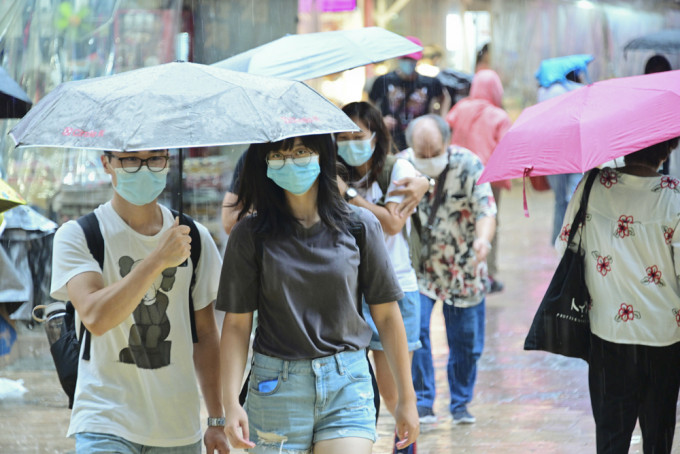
<point x="407" y="67"/>
<point x="294" y="178"/>
<point x="141" y="187"/>
<point x="356" y="152"/>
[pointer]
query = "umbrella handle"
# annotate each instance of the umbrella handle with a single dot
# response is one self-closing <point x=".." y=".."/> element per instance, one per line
<point x="527" y="170"/>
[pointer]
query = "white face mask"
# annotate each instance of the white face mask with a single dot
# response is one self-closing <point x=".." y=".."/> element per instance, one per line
<point x="432" y="167"/>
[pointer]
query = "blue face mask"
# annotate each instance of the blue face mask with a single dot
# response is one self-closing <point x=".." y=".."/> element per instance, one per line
<point x="407" y="67"/>
<point x="294" y="178"/>
<point x="141" y="187"/>
<point x="356" y="152"/>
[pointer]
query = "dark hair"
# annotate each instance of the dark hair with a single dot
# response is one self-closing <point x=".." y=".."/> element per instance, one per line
<point x="573" y="76"/>
<point x="657" y="64"/>
<point x="259" y="192"/>
<point x="652" y="155"/>
<point x="370" y="115"/>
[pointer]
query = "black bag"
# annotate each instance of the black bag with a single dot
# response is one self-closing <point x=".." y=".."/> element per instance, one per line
<point x="66" y="350"/>
<point x="561" y="324"/>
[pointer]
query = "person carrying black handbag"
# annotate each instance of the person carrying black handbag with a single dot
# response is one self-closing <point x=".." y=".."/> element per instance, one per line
<point x="630" y="243"/>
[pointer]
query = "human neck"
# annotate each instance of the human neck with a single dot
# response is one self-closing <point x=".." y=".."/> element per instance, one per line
<point x="640" y="169"/>
<point x="303" y="206"/>
<point x="145" y="219"/>
<point x="364" y="168"/>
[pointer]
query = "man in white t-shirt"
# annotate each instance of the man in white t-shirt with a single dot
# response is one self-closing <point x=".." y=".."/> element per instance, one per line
<point x="139" y="390"/>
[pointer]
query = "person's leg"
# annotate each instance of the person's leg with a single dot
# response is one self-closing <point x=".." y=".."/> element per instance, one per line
<point x="558" y="184"/>
<point x="491" y="258"/>
<point x="343" y="446"/>
<point x="93" y="443"/>
<point x="422" y="367"/>
<point x="659" y="398"/>
<point x="465" y="336"/>
<point x="613" y="383"/>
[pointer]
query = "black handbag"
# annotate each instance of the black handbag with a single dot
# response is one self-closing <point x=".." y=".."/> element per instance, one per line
<point x="561" y="324"/>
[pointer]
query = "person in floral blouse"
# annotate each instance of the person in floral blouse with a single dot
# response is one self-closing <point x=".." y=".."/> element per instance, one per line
<point x="632" y="246"/>
<point x="454" y="271"/>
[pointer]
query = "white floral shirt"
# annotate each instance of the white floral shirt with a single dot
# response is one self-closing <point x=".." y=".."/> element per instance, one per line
<point x="631" y="245"/>
<point x="449" y="272"/>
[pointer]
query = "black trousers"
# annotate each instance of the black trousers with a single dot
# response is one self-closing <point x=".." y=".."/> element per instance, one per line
<point x="628" y="382"/>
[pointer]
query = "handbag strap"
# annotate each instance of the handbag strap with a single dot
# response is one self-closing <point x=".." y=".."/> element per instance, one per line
<point x="580" y="217"/>
<point x="439" y="190"/>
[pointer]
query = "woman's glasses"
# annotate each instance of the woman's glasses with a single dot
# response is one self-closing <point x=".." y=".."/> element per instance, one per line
<point x="300" y="157"/>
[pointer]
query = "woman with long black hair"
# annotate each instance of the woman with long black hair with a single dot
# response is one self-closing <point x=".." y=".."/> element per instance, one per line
<point x="303" y="262"/>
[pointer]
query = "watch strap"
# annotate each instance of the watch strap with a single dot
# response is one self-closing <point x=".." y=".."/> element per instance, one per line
<point x="215" y="422"/>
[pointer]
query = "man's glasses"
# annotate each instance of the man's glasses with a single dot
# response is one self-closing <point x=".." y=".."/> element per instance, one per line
<point x="132" y="164"/>
<point x="301" y="158"/>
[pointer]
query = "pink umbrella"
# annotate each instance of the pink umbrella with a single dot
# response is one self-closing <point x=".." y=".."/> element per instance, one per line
<point x="589" y="126"/>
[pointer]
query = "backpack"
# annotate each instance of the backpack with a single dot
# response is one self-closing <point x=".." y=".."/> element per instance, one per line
<point x="66" y="350"/>
<point x="414" y="237"/>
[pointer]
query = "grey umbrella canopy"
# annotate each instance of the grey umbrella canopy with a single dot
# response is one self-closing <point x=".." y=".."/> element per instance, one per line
<point x="177" y="105"/>
<point x="310" y="55"/>
<point x="663" y="41"/>
<point x="14" y="102"/>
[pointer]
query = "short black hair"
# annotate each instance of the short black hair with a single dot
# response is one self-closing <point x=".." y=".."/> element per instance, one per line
<point x="652" y="155"/>
<point x="657" y="64"/>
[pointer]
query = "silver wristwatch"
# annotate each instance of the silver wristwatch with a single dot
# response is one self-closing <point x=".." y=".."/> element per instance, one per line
<point x="350" y="193"/>
<point x="215" y="422"/>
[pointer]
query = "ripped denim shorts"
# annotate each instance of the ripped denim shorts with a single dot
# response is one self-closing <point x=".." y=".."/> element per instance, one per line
<point x="292" y="405"/>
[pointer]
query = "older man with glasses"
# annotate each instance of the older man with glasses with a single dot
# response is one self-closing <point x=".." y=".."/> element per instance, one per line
<point x="137" y="392"/>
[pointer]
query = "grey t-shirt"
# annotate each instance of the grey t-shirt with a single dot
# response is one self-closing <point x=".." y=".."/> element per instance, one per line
<point x="308" y="295"/>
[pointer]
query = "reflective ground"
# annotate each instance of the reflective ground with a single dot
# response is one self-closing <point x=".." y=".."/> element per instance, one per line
<point x="524" y="401"/>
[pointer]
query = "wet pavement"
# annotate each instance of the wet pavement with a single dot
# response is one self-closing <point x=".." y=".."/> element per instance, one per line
<point x="525" y="402"/>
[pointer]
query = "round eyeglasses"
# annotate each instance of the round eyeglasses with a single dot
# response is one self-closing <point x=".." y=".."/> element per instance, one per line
<point x="301" y="158"/>
<point x="132" y="164"/>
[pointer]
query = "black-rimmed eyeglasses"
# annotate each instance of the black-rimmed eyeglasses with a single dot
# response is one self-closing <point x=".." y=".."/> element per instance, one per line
<point x="132" y="164"/>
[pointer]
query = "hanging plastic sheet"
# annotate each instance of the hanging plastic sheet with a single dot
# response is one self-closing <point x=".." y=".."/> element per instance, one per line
<point x="27" y="240"/>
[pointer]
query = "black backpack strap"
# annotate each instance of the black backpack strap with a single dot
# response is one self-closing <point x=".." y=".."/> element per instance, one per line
<point x="195" y="257"/>
<point x="95" y="243"/>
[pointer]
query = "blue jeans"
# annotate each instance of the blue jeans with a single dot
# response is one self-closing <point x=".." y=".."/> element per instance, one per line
<point x="292" y="405"/>
<point x="89" y="443"/>
<point x="465" y="336"/>
<point x="563" y="186"/>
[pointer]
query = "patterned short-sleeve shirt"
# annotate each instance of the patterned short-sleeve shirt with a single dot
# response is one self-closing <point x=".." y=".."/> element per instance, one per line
<point x="632" y="246"/>
<point x="450" y="273"/>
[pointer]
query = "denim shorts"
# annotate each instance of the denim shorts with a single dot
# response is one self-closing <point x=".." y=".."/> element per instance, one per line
<point x="89" y="443"/>
<point x="292" y="405"/>
<point x="409" y="306"/>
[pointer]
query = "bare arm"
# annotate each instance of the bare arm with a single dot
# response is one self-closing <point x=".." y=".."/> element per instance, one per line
<point x="390" y="326"/>
<point x="104" y="307"/>
<point x="413" y="189"/>
<point x="206" y="355"/>
<point x="234" y="347"/>
<point x="389" y="219"/>
<point x="229" y="212"/>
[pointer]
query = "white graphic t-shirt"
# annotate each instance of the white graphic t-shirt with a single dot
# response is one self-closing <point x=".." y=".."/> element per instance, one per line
<point x="139" y="383"/>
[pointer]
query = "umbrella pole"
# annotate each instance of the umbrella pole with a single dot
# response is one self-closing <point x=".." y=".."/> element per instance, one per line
<point x="180" y="186"/>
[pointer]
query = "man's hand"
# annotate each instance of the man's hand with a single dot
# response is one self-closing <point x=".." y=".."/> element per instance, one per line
<point x="481" y="247"/>
<point x="215" y="440"/>
<point x="413" y="189"/>
<point x="174" y="246"/>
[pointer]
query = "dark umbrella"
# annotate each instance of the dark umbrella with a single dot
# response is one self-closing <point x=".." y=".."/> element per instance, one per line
<point x="14" y="102"/>
<point x="667" y="41"/>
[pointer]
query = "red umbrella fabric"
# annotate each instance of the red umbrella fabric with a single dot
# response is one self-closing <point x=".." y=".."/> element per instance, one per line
<point x="587" y="127"/>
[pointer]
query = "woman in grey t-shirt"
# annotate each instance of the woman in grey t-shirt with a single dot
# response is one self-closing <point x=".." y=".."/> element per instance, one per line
<point x="303" y="262"/>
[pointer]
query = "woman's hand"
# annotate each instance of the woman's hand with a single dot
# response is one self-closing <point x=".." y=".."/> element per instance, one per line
<point x="342" y="186"/>
<point x="236" y="427"/>
<point x="408" y="424"/>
